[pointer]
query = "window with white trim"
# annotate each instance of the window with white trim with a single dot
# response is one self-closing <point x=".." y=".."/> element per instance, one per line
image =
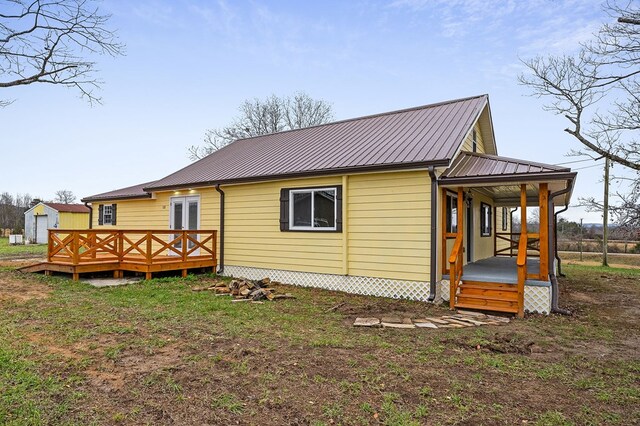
<point x="107" y="214"/>
<point x="452" y="213"/>
<point x="485" y="220"/>
<point x="312" y="209"/>
<point x="505" y="219"/>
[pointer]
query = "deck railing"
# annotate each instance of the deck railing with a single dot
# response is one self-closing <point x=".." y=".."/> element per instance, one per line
<point x="455" y="270"/>
<point x="148" y="247"/>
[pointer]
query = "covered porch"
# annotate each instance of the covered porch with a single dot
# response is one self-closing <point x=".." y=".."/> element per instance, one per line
<point x="494" y="274"/>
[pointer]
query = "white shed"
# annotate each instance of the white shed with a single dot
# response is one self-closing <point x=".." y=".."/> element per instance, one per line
<point x="44" y="216"/>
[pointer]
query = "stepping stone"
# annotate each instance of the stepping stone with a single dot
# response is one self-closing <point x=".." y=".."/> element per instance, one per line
<point x="397" y="325"/>
<point x="438" y="321"/>
<point x="425" y="325"/>
<point x="395" y="320"/>
<point x="471" y="313"/>
<point x="462" y="323"/>
<point x="367" y="322"/>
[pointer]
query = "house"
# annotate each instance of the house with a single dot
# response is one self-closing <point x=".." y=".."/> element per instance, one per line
<point x="44" y="216"/>
<point x="411" y="204"/>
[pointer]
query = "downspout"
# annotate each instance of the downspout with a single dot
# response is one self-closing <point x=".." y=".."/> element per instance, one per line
<point x="434" y="240"/>
<point x="552" y="273"/>
<point x="90" y="215"/>
<point x="221" y="261"/>
<point x="555" y="239"/>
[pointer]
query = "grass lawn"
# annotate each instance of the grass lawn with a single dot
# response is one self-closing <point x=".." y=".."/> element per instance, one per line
<point x="158" y="353"/>
<point x="22" y="250"/>
<point x="622" y="260"/>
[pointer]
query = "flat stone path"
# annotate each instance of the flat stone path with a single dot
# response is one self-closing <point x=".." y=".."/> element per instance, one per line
<point x="459" y="320"/>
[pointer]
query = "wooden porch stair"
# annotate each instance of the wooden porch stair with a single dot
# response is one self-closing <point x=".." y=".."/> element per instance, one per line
<point x="487" y="296"/>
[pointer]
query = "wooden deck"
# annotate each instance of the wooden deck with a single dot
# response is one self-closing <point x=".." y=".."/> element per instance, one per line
<point x="146" y="251"/>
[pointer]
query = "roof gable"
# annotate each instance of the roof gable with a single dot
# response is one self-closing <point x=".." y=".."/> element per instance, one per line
<point x="416" y="137"/>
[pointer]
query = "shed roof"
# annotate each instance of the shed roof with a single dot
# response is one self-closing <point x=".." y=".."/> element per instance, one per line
<point x="68" y="208"/>
<point x="135" y="191"/>
<point x="485" y="168"/>
<point x="415" y="137"/>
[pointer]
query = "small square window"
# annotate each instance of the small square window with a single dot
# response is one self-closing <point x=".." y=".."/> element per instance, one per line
<point x="485" y="220"/>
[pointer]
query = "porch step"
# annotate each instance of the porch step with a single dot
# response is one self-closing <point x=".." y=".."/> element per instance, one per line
<point x="489" y="296"/>
<point x="509" y="310"/>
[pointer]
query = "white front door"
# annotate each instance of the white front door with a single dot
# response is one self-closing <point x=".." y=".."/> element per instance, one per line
<point x="185" y="214"/>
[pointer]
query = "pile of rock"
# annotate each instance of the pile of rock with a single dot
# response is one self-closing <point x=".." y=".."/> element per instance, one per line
<point x="245" y="290"/>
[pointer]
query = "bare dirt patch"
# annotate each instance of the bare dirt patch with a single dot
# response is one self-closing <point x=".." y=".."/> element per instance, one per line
<point x="21" y="290"/>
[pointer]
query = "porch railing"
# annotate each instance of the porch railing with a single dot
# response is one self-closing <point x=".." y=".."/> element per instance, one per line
<point x="455" y="270"/>
<point x="130" y="246"/>
<point x="513" y="239"/>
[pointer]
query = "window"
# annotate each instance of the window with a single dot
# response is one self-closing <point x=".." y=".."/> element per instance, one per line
<point x="311" y="209"/>
<point x="474" y="142"/>
<point x="452" y="213"/>
<point x="107" y="214"/>
<point x="505" y="219"/>
<point x="485" y="220"/>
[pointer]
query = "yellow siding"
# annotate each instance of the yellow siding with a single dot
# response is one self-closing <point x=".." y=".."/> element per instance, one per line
<point x="68" y="220"/>
<point x="388" y="225"/>
<point x="253" y="237"/>
<point x="153" y="213"/>
<point x="482" y="246"/>
<point x="38" y="210"/>
<point x="468" y="142"/>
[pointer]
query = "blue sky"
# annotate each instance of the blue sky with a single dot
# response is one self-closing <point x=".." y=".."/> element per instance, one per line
<point x="189" y="64"/>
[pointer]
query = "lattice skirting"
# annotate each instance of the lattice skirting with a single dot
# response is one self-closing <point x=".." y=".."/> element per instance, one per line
<point x="536" y="298"/>
<point x="398" y="289"/>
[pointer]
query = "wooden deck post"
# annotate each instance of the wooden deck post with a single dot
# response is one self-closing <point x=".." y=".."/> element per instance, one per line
<point x="49" y="246"/>
<point x="544" y="231"/>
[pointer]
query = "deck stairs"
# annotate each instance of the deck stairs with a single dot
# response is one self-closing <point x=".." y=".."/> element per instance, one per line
<point x="487" y="296"/>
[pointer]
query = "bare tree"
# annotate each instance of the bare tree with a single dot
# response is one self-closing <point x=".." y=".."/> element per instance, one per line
<point x="598" y="91"/>
<point x="47" y="41"/>
<point x="65" y="196"/>
<point x="264" y="116"/>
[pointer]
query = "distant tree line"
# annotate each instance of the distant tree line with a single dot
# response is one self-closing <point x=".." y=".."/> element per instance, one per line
<point x="12" y="210"/>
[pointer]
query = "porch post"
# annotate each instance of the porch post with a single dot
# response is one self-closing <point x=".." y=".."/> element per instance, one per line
<point x="523" y="209"/>
<point x="544" y="231"/>
<point x="443" y="231"/>
<point x="460" y="211"/>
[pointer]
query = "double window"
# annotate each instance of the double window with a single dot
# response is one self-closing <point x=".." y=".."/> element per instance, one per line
<point x="311" y="209"/>
<point x="485" y="220"/>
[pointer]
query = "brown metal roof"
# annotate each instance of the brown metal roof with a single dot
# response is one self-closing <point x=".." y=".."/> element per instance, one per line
<point x="135" y="191"/>
<point x="416" y="137"/>
<point x="68" y="208"/>
<point x="478" y="168"/>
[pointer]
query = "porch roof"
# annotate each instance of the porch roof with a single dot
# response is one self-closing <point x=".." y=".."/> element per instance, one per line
<point x="501" y="177"/>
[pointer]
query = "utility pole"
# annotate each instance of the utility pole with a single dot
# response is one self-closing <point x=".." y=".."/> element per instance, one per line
<point x="580" y="239"/>
<point x="605" y="215"/>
